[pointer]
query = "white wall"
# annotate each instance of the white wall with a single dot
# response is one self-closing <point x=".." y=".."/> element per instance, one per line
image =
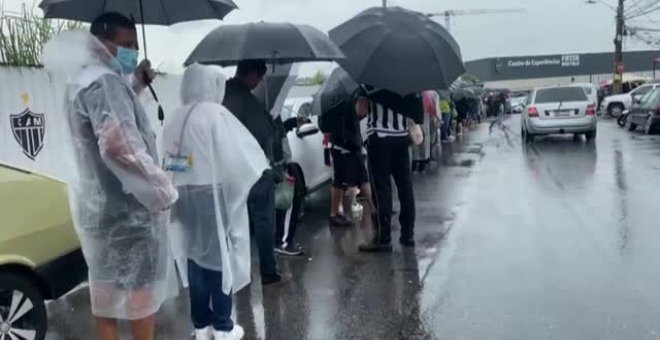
<point x="47" y="97"/>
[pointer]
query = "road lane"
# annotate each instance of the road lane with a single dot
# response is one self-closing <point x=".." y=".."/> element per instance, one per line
<point x="558" y="240"/>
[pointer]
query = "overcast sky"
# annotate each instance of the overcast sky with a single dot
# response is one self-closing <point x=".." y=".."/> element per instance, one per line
<point x="546" y="26"/>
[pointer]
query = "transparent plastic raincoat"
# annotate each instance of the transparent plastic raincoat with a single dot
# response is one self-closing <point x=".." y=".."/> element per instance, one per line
<point x="215" y="161"/>
<point x="120" y="194"/>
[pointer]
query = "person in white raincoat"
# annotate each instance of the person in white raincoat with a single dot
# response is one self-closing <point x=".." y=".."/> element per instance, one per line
<point x="215" y="162"/>
<point x="120" y="193"/>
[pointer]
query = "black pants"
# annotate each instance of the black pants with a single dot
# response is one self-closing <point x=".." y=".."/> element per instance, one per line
<point x="286" y="221"/>
<point x="389" y="158"/>
<point x="261" y="211"/>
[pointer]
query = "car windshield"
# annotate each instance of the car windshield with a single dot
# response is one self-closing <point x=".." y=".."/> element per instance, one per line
<point x="651" y="99"/>
<point x="560" y="94"/>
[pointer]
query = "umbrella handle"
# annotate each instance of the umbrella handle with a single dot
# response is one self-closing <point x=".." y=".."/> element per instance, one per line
<point x="144" y="34"/>
<point x="161" y="113"/>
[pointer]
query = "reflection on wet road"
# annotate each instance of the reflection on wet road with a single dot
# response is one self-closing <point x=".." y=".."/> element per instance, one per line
<point x="555" y="240"/>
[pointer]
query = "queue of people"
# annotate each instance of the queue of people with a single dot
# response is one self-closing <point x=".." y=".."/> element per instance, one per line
<point x="225" y="158"/>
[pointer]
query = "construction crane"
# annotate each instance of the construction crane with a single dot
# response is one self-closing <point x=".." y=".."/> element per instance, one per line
<point x="452" y="13"/>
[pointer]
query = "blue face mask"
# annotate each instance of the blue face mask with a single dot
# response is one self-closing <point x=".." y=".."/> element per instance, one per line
<point x="127" y="59"/>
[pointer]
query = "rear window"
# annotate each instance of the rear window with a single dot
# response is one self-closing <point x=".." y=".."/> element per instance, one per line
<point x="560" y="94"/>
<point x="588" y="90"/>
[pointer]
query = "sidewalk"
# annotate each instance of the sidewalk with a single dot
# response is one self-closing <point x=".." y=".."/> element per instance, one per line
<point x="337" y="292"/>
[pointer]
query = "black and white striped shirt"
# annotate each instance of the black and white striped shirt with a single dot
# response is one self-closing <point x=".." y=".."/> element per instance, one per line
<point x="385" y="122"/>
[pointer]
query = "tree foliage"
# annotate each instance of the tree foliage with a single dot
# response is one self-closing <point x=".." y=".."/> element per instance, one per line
<point x="318" y="78"/>
<point x="23" y="36"/>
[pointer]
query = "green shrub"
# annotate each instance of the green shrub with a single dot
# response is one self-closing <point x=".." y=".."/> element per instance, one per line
<point x="23" y="36"/>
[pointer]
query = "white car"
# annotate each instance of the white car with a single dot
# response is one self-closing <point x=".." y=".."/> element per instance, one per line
<point x="591" y="91"/>
<point x="616" y="104"/>
<point x="559" y="110"/>
<point x="518" y="104"/>
<point x="307" y="144"/>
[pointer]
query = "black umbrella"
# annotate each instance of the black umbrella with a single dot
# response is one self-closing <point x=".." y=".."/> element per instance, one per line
<point x="145" y="12"/>
<point x="336" y="89"/>
<point x="149" y="12"/>
<point x="399" y="50"/>
<point x="274" y="42"/>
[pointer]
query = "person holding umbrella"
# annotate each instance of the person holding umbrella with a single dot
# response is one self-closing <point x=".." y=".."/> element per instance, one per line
<point x="121" y="195"/>
<point x="388" y="153"/>
<point x="240" y="100"/>
<point x="276" y="43"/>
<point x="398" y="53"/>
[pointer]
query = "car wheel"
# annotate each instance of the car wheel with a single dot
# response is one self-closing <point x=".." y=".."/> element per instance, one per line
<point x="648" y="128"/>
<point x="529" y="138"/>
<point x="622" y="120"/>
<point x="615" y="110"/>
<point x="22" y="310"/>
<point x="591" y="135"/>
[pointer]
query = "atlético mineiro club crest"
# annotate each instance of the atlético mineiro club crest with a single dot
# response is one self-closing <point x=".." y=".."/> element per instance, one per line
<point x="29" y="129"/>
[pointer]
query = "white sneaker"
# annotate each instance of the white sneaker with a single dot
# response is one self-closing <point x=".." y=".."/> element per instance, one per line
<point x="235" y="334"/>
<point x="204" y="334"/>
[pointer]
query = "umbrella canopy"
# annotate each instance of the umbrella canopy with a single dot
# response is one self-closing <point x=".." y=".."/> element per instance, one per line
<point x="463" y="93"/>
<point x="337" y="88"/>
<point x="275" y="42"/>
<point x="156" y="12"/>
<point x="276" y="87"/>
<point x="399" y="50"/>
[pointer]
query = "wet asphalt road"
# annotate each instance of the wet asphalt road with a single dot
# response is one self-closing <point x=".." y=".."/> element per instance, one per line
<point x="556" y="240"/>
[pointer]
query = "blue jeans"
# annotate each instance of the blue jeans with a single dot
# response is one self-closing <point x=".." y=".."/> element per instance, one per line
<point x="446" y="126"/>
<point x="208" y="305"/>
<point x="261" y="209"/>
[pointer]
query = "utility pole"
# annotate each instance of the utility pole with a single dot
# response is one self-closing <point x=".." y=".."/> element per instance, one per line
<point x="384" y="3"/>
<point x="618" y="49"/>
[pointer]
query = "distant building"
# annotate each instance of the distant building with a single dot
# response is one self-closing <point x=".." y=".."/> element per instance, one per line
<point x="527" y="72"/>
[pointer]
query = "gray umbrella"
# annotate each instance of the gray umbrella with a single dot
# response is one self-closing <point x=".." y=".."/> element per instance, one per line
<point x="275" y="42"/>
<point x="399" y="50"/>
<point x="156" y="12"/>
<point x="336" y="89"/>
<point x="145" y="12"/>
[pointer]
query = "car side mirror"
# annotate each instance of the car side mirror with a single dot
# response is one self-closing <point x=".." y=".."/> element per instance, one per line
<point x="637" y="99"/>
<point x="307" y="130"/>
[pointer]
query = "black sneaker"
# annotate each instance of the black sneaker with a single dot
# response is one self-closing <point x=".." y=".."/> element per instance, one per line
<point x="291" y="250"/>
<point x="407" y="242"/>
<point x="375" y="248"/>
<point x="339" y="221"/>
<point x="274" y="279"/>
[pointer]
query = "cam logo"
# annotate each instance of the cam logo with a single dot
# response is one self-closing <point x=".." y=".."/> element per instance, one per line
<point x="29" y="129"/>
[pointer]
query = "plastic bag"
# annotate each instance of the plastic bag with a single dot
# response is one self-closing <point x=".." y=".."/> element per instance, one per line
<point x="415" y="132"/>
<point x="284" y="193"/>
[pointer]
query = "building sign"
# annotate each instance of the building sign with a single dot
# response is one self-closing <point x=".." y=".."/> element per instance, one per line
<point x="572" y="60"/>
<point x="28" y="129"/>
<point x="557" y="65"/>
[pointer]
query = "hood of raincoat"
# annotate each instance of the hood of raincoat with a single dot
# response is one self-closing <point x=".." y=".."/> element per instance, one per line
<point x="202" y="84"/>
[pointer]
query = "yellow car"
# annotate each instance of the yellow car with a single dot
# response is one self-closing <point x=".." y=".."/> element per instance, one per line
<point x="40" y="256"/>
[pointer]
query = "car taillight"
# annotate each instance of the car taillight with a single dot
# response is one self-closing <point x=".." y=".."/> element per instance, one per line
<point x="532" y="111"/>
<point x="591" y="110"/>
<point x="657" y="111"/>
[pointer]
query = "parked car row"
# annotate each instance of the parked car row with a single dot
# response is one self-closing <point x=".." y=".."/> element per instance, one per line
<point x="645" y="112"/>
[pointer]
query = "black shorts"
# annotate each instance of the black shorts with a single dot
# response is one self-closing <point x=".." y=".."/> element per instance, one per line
<point x="350" y="170"/>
